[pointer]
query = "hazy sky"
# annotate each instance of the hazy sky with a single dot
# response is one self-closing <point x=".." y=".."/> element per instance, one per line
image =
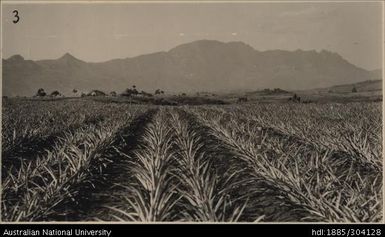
<point x="99" y="32"/>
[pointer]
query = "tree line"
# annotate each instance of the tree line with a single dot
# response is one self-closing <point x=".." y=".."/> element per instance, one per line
<point x="129" y="92"/>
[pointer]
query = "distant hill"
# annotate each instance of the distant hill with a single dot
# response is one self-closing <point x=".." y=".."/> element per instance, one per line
<point x="364" y="86"/>
<point x="204" y="65"/>
<point x="275" y="91"/>
<point x="377" y="74"/>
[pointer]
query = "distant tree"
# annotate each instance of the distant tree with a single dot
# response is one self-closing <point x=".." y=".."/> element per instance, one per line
<point x="127" y="92"/>
<point x="158" y="92"/>
<point x="145" y="94"/>
<point x="113" y="93"/>
<point x="130" y="92"/>
<point x="41" y="92"/>
<point x="242" y="99"/>
<point x="96" y="93"/>
<point x="55" y="93"/>
<point x="354" y="90"/>
<point x="295" y="98"/>
<point x="74" y="91"/>
<point x="134" y="86"/>
<point x="279" y="90"/>
<point x="184" y="94"/>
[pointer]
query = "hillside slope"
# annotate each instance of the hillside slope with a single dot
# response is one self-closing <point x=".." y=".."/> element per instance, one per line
<point x="204" y="65"/>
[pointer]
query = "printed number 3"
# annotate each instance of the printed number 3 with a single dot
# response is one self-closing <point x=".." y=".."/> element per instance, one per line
<point x="17" y="18"/>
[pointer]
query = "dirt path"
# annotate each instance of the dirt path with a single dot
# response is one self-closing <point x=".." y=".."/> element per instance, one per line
<point x="168" y="166"/>
<point x="208" y="183"/>
<point x="89" y="205"/>
<point x="170" y="170"/>
<point x="264" y="201"/>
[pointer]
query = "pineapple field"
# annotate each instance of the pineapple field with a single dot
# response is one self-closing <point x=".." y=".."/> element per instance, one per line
<point x="87" y="160"/>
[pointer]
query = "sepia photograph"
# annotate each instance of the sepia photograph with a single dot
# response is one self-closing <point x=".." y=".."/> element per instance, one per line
<point x="192" y="111"/>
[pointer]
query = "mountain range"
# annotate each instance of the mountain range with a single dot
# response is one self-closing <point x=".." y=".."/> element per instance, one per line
<point x="204" y="65"/>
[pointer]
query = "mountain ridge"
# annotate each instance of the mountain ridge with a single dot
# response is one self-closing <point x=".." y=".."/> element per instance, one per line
<point x="208" y="65"/>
